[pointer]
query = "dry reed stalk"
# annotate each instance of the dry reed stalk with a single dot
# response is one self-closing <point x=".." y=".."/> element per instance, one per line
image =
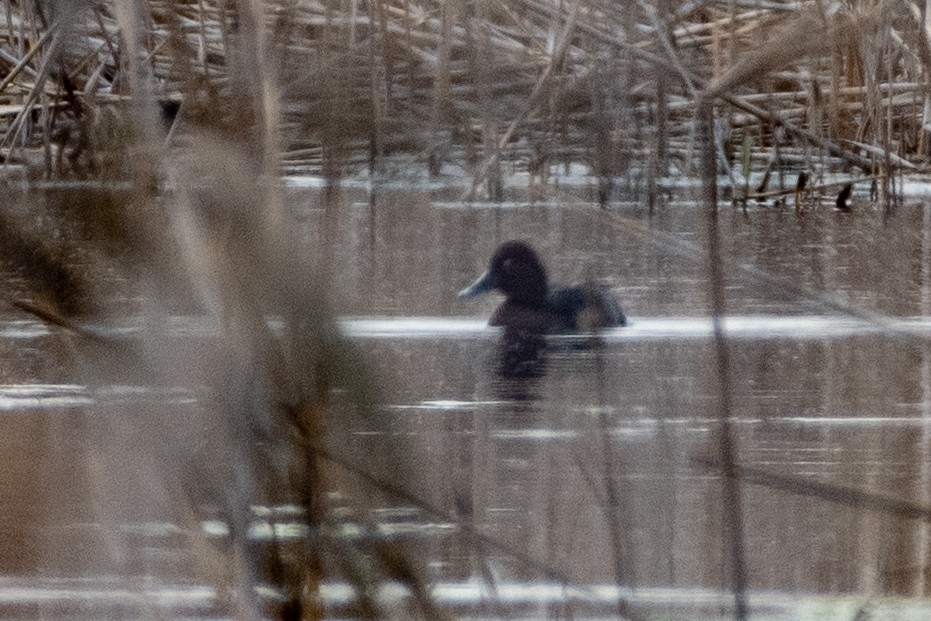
<point x="731" y="506"/>
<point x="493" y="160"/>
<point x="825" y="491"/>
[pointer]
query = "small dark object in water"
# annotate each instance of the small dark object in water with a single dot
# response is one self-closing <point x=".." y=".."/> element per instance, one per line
<point x="530" y="303"/>
<point x="800" y="186"/>
<point x="763" y="184"/>
<point x="169" y="109"/>
<point x="842" y="197"/>
<point x="802" y="181"/>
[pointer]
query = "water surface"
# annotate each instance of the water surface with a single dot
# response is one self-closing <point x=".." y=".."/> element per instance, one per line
<point x="597" y="472"/>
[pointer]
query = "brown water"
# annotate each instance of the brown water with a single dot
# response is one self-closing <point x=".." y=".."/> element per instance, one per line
<point x="592" y="470"/>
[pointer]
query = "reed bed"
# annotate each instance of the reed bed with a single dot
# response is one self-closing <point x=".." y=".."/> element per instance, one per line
<point x="480" y="89"/>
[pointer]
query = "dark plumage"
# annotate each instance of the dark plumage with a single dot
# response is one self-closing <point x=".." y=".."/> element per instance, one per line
<point x="843" y="196"/>
<point x="531" y="304"/>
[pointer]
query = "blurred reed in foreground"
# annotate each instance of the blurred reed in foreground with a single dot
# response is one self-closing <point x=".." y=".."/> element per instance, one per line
<point x="194" y="223"/>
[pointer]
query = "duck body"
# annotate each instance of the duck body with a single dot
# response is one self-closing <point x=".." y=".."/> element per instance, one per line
<point x="532" y="305"/>
<point x="585" y="308"/>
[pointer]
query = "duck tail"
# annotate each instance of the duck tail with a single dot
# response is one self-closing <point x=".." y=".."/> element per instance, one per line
<point x="606" y="312"/>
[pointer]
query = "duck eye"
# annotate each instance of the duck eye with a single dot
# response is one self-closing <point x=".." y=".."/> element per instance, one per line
<point x="507" y="265"/>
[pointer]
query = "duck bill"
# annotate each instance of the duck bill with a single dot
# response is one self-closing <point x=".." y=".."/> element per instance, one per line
<point x="483" y="284"/>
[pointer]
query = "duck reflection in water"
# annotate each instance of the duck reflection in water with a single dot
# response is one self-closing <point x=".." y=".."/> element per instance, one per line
<point x="533" y="309"/>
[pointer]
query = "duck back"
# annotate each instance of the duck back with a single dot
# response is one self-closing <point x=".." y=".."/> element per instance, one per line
<point x="586" y="308"/>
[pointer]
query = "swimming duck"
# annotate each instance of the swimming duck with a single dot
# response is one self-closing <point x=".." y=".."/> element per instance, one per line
<point x="531" y="304"/>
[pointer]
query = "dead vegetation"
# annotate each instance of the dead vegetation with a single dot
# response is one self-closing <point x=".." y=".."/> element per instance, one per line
<point x="481" y="88"/>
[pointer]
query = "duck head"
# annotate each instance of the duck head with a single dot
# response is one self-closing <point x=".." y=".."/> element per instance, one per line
<point x="516" y="271"/>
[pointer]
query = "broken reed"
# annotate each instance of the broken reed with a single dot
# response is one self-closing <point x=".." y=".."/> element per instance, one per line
<point x="490" y="86"/>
